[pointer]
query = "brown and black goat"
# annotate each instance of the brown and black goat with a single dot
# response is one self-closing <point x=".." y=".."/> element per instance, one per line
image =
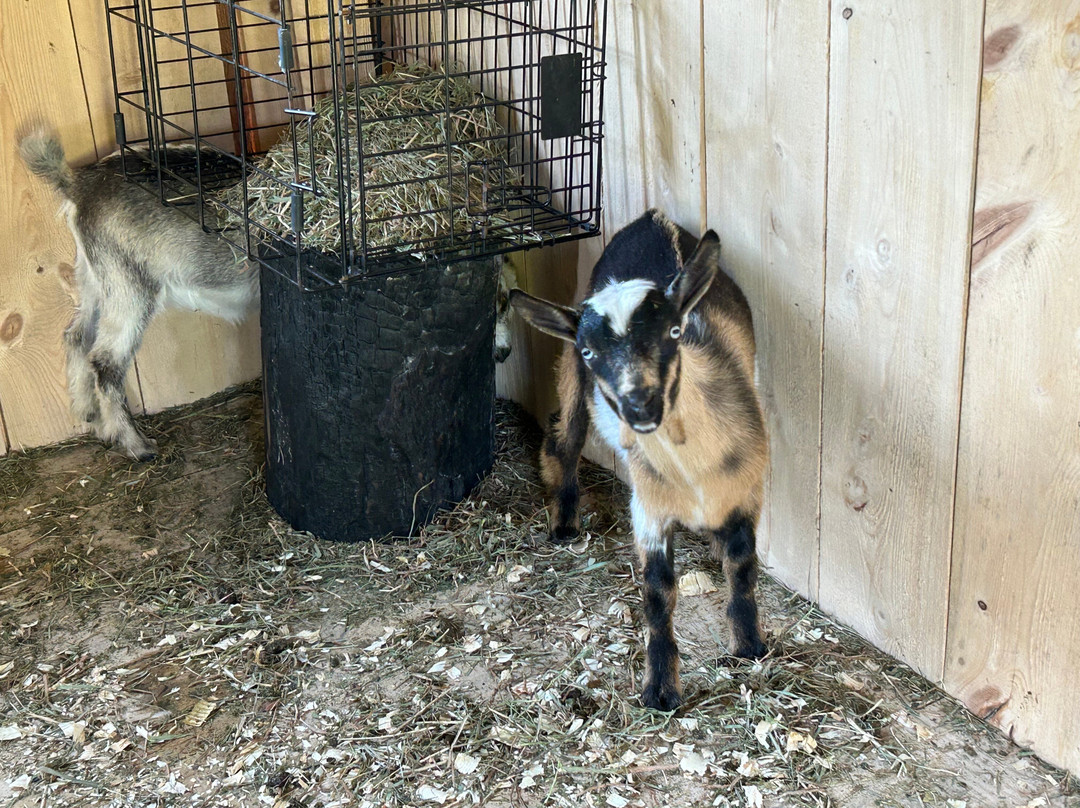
<point x="661" y="361"/>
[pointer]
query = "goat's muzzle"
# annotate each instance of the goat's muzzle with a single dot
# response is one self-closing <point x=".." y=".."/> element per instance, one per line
<point x="642" y="410"/>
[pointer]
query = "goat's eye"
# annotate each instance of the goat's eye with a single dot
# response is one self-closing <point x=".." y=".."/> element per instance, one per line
<point x="675" y="332"/>
<point x="587" y="354"/>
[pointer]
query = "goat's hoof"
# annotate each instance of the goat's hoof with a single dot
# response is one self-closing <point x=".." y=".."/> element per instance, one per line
<point x="754" y="649"/>
<point x="661" y="696"/>
<point x="564" y="534"/>
<point x="144" y="452"/>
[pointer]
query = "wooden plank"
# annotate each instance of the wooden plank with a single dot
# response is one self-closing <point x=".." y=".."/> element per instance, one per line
<point x="653" y="151"/>
<point x="766" y="113"/>
<point x="653" y="108"/>
<point x="36" y="250"/>
<point x="1014" y="619"/>
<point x="550" y="273"/>
<point x="516" y="377"/>
<point x="188" y="356"/>
<point x="903" y="105"/>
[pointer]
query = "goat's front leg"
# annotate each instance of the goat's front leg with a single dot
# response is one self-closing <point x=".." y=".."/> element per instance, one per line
<point x="561" y="451"/>
<point x="661" y="688"/>
<point x="735" y="543"/>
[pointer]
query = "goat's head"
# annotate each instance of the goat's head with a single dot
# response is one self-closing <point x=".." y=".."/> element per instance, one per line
<point x="503" y="333"/>
<point x="628" y="333"/>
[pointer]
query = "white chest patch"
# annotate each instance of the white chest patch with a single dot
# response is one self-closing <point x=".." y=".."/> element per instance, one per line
<point x="606" y="423"/>
<point x="618" y="301"/>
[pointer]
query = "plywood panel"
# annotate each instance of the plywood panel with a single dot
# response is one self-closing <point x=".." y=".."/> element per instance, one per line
<point x="188" y="356"/>
<point x="903" y="102"/>
<point x="1014" y="619"/>
<point x="36" y="250"/>
<point x="766" y="113"/>
<point x="653" y="153"/>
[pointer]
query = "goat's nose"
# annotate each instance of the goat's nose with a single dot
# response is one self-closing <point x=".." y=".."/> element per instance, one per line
<point x="644" y="406"/>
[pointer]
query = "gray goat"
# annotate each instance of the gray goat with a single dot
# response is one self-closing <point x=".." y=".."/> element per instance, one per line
<point x="134" y="257"/>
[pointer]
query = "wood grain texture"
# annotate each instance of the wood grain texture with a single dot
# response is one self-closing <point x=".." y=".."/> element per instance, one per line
<point x="550" y="273"/>
<point x="516" y="377"/>
<point x="37" y="251"/>
<point x="188" y="356"/>
<point x="653" y="151"/>
<point x="1014" y="619"/>
<point x="903" y="106"/>
<point x="766" y="113"/>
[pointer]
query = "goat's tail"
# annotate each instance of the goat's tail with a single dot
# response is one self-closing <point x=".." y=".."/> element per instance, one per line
<point x="44" y="155"/>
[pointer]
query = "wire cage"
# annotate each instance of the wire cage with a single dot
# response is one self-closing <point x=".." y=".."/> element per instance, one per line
<point x="340" y="140"/>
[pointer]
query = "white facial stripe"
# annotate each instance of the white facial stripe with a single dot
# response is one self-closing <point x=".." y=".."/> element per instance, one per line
<point x="618" y="300"/>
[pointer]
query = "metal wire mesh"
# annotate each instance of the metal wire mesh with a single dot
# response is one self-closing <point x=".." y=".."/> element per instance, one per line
<point x="242" y="78"/>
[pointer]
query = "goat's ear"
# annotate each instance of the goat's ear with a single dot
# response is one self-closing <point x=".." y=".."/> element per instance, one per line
<point x="697" y="274"/>
<point x="551" y="318"/>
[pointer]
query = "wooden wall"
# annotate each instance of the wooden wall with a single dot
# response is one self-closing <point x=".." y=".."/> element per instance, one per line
<point x="894" y="186"/>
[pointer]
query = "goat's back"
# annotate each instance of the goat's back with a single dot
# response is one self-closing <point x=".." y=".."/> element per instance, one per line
<point x="122" y="223"/>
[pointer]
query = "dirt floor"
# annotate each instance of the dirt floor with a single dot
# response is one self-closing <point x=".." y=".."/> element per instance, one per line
<point x="165" y="639"/>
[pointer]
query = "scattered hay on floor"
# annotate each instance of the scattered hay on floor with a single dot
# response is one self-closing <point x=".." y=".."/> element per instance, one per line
<point x="421" y="171"/>
<point x="166" y="639"/>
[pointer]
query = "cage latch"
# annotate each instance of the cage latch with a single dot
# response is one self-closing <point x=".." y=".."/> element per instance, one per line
<point x="285" y="54"/>
<point x="119" y="129"/>
<point x="561" y="81"/>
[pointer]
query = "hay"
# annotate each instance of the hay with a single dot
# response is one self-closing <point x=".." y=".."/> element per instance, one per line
<point x="417" y="194"/>
<point x="165" y="639"/>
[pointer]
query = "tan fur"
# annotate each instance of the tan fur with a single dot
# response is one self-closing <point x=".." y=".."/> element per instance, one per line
<point x="679" y="473"/>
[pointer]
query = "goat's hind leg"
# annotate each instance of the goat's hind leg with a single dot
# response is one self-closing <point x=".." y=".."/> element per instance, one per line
<point x="120" y="328"/>
<point x="78" y="341"/>
<point x="735" y="543"/>
<point x="561" y="450"/>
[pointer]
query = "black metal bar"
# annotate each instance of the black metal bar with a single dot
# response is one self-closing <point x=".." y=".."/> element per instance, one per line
<point x="341" y="139"/>
<point x="156" y="134"/>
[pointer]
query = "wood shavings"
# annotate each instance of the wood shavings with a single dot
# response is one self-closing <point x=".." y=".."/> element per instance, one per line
<point x="76" y="730"/>
<point x="200" y="712"/>
<point x="10" y="733"/>
<point x="695" y="583"/>
<point x="753" y="796"/>
<point x="692" y="762"/>
<point x="318" y="662"/>
<point x="431" y="794"/>
<point x="465" y="763"/>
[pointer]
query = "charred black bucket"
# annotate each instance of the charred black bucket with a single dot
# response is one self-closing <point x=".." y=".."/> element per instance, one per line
<point x="379" y="398"/>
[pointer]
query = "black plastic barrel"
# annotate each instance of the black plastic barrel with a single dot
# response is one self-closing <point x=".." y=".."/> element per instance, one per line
<point x="379" y="398"/>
